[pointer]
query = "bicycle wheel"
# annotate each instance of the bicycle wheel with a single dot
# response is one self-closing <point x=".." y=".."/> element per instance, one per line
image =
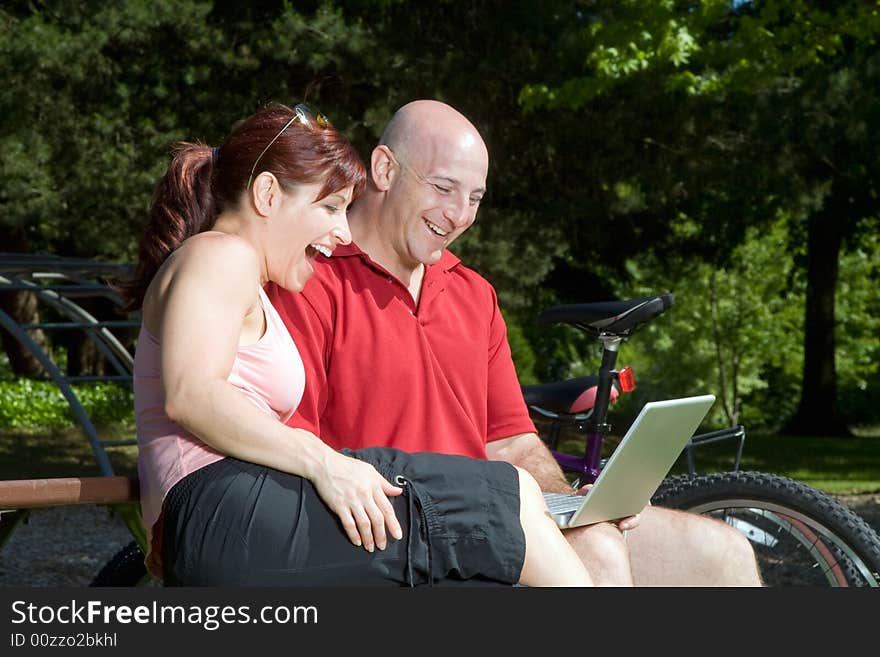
<point x="125" y="568"/>
<point x="801" y="536"/>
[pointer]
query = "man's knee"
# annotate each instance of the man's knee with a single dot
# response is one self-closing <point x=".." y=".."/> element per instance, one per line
<point x="600" y="547"/>
<point x="604" y="552"/>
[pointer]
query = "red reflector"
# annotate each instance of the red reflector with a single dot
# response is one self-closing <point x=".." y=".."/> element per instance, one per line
<point x="627" y="379"/>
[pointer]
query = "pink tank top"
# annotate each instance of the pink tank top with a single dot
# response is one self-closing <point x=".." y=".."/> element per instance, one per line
<point x="269" y="372"/>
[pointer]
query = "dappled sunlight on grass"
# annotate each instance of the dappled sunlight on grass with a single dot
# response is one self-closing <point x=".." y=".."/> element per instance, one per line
<point x="834" y="465"/>
<point x="29" y="454"/>
<point x="812" y="459"/>
<point x="841" y="487"/>
<point x="867" y="431"/>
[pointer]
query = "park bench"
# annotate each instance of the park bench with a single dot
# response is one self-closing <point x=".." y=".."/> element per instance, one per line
<point x="62" y="491"/>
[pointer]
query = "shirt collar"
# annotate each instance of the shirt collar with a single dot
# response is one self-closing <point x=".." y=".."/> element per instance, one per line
<point x="447" y="261"/>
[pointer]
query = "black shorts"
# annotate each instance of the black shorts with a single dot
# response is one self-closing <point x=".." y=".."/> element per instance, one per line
<point x="233" y="523"/>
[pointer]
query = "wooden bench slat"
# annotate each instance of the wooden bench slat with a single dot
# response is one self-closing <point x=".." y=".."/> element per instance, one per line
<point x="35" y="493"/>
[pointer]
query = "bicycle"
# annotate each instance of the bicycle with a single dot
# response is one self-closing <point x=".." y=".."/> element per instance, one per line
<point x="800" y="535"/>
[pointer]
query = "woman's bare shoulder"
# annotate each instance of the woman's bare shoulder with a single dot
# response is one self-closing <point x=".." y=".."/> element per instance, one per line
<point x="207" y="263"/>
<point x="214" y="247"/>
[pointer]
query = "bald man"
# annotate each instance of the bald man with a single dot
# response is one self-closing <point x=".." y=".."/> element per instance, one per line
<point x="405" y="347"/>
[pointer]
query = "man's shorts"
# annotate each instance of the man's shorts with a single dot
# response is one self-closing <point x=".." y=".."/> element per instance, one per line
<point x="233" y="523"/>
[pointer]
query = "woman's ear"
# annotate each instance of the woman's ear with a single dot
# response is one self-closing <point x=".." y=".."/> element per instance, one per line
<point x="265" y="193"/>
<point x="382" y="167"/>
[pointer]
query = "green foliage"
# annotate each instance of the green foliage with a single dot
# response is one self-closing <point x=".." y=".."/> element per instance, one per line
<point x="619" y="40"/>
<point x="746" y="112"/>
<point x="858" y="328"/>
<point x="94" y="93"/>
<point x="731" y="324"/>
<point x="615" y="128"/>
<point x="736" y="329"/>
<point x="29" y="404"/>
<point x="521" y="350"/>
<point x="716" y="47"/>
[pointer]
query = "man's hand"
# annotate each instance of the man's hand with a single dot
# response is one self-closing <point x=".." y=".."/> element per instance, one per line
<point x="528" y="451"/>
<point x="358" y="494"/>
<point x="623" y="524"/>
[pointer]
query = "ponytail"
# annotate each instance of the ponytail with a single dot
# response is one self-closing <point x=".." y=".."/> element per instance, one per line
<point x="202" y="182"/>
<point x="182" y="206"/>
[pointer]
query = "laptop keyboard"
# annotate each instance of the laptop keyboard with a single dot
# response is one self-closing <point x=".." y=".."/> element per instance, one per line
<point x="563" y="502"/>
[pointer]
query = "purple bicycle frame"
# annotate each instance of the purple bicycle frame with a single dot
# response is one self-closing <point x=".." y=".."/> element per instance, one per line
<point x="587" y="467"/>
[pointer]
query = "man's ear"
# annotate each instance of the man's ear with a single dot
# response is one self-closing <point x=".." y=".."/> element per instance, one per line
<point x="382" y="167"/>
<point x="265" y="193"/>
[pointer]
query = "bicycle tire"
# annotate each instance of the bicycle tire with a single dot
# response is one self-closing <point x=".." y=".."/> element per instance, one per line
<point x="125" y="568"/>
<point x="801" y="536"/>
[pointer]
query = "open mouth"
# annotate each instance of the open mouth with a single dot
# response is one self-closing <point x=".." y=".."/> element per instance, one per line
<point x="439" y="232"/>
<point x="312" y="251"/>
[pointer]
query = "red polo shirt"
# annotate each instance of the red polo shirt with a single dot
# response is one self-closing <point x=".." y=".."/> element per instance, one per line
<point x="380" y="371"/>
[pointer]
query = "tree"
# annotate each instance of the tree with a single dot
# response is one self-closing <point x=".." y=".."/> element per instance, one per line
<point x="614" y="127"/>
<point x="791" y="92"/>
<point x="94" y="93"/>
<point x="731" y="324"/>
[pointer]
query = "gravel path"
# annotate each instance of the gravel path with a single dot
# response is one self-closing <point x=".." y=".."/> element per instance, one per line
<point x="61" y="546"/>
<point x="67" y="546"/>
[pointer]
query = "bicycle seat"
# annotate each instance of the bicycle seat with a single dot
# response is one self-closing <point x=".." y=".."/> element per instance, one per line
<point x="566" y="397"/>
<point x="610" y="318"/>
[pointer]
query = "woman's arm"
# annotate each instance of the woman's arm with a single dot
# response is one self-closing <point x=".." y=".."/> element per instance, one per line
<point x="200" y="310"/>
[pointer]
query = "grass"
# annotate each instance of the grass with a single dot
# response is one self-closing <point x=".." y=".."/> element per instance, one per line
<point x="34" y="454"/>
<point x="834" y="465"/>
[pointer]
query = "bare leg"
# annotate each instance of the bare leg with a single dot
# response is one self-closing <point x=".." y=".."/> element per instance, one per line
<point x="549" y="560"/>
<point x="674" y="548"/>
<point x="605" y="553"/>
<point x="668" y="548"/>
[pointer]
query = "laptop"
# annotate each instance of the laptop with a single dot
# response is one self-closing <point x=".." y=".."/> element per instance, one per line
<point x="641" y="461"/>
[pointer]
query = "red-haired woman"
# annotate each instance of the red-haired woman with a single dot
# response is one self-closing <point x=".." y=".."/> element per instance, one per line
<point x="231" y="495"/>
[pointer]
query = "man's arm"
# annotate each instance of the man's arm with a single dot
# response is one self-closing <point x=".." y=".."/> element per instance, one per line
<point x="529" y="452"/>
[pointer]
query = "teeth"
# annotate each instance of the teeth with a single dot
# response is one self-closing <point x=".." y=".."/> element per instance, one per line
<point x="323" y="250"/>
<point x="436" y="228"/>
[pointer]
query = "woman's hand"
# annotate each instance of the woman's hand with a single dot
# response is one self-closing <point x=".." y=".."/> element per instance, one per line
<point x="358" y="494"/>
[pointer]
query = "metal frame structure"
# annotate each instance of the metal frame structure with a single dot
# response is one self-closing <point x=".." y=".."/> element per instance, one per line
<point x="57" y="283"/>
<point x="60" y="284"/>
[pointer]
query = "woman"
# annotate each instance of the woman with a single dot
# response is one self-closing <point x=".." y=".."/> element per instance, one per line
<point x="229" y="493"/>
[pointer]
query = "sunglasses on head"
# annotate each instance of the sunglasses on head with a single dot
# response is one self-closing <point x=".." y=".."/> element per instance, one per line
<point x="302" y="114"/>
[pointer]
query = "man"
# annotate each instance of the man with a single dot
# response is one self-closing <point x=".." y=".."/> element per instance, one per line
<point x="406" y="347"/>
